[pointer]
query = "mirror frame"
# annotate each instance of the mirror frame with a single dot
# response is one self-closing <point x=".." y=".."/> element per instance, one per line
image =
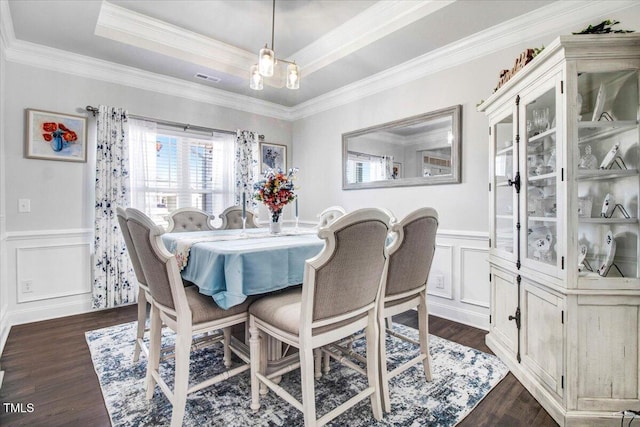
<point x="456" y="148"/>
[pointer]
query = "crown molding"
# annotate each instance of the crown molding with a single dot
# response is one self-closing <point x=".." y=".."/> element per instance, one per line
<point x="555" y="18"/>
<point x="58" y="60"/>
<point x="374" y="23"/>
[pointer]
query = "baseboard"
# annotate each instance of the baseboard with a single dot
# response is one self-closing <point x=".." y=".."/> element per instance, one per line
<point x="460" y="315"/>
<point x="5" y="327"/>
<point x="49" y="311"/>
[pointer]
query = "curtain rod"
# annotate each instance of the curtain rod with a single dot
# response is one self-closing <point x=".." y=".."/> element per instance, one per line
<point x="184" y="126"/>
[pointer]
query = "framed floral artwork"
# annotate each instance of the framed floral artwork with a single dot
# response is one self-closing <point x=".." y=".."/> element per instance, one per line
<point x="272" y="156"/>
<point x="56" y="136"/>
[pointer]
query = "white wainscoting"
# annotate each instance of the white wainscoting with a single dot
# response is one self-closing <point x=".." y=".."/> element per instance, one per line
<point x="58" y="265"/>
<point x="4" y="306"/>
<point x="458" y="285"/>
<point x="49" y="274"/>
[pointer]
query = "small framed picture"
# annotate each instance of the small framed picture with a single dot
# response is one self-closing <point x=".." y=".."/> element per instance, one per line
<point x="272" y="156"/>
<point x="56" y="136"/>
<point x="397" y="170"/>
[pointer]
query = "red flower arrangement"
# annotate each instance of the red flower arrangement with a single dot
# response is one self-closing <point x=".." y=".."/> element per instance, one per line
<point x="275" y="191"/>
<point x="58" y="135"/>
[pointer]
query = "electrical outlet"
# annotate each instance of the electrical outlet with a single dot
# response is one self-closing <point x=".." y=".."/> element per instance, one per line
<point x="438" y="281"/>
<point x="24" y="205"/>
<point x="27" y="286"/>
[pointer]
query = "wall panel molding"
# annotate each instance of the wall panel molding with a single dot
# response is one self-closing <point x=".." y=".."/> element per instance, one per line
<point x="48" y="234"/>
<point x="469" y="274"/>
<point x="66" y="271"/>
<point x="55" y="265"/>
<point x="464" y="298"/>
<point x="442" y="266"/>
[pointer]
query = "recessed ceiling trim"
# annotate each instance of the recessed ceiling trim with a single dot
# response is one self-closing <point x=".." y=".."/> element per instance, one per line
<point x="560" y="16"/>
<point x="376" y="22"/>
<point x="126" y="26"/>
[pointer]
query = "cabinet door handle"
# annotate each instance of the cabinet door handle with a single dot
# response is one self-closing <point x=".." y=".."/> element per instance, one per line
<point x="516" y="317"/>
<point x="515" y="182"/>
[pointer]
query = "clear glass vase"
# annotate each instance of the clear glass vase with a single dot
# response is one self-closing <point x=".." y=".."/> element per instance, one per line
<point x="275" y="227"/>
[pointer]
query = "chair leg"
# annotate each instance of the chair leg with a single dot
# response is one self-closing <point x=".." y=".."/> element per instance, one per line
<point x="255" y="357"/>
<point x="384" y="375"/>
<point x="142" y="318"/>
<point x="326" y="364"/>
<point x="317" y="363"/>
<point x="372" y="334"/>
<point x="183" y="351"/>
<point x="423" y="331"/>
<point x="154" y="350"/>
<point x="388" y="322"/>
<point x="308" y="386"/>
<point x="227" y="349"/>
<point x="266" y="350"/>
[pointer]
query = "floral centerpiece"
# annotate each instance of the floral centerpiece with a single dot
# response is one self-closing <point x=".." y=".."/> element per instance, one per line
<point x="275" y="190"/>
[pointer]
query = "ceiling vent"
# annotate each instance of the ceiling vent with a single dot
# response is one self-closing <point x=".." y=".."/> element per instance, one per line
<point x="208" y="78"/>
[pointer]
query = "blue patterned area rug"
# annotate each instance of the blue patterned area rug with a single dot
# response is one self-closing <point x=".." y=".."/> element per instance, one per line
<point x="462" y="376"/>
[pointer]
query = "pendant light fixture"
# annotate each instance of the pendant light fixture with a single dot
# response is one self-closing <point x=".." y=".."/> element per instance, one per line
<point x="267" y="62"/>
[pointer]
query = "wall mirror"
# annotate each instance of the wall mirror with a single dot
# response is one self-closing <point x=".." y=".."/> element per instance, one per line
<point x="419" y="150"/>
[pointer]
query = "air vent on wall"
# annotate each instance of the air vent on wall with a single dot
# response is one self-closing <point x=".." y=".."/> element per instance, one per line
<point x="209" y="78"/>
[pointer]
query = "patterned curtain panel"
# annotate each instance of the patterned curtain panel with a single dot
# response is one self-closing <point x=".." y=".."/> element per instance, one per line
<point x="246" y="166"/>
<point x="113" y="277"/>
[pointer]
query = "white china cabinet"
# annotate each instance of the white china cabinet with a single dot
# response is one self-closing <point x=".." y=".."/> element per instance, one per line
<point x="564" y="232"/>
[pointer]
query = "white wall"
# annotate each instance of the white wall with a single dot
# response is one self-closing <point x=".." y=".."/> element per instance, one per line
<point x="51" y="245"/>
<point x="463" y="208"/>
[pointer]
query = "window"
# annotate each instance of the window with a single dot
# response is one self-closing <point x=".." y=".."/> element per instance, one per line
<point x="173" y="169"/>
<point x="368" y="167"/>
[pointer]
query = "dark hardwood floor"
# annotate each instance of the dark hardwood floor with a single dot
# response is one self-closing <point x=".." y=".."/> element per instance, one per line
<point x="48" y="365"/>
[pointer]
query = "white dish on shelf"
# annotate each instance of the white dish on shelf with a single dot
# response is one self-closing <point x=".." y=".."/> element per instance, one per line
<point x="610" y="157"/>
<point x="610" y="247"/>
<point x="600" y="100"/>
<point x="582" y="254"/>
<point x="607" y="206"/>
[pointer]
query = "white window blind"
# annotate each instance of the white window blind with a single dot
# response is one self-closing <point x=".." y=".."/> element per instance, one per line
<point x="367" y="167"/>
<point x="173" y="169"/>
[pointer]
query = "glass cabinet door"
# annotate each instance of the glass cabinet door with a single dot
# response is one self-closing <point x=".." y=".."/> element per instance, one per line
<point x="540" y="172"/>
<point x="504" y="200"/>
<point x="607" y="176"/>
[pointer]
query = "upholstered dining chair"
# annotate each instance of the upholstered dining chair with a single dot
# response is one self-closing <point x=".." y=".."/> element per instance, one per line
<point x="184" y="310"/>
<point x="410" y="258"/>
<point x="144" y="297"/>
<point x="232" y="218"/>
<point x="189" y="219"/>
<point x="329" y="215"/>
<point x="339" y="296"/>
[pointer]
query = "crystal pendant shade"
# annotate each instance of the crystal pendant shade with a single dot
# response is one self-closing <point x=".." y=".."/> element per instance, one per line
<point x="293" y="76"/>
<point x="255" y="80"/>
<point x="266" y="62"/>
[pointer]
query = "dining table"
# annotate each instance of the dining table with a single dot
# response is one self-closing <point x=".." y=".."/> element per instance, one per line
<point x="230" y="265"/>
